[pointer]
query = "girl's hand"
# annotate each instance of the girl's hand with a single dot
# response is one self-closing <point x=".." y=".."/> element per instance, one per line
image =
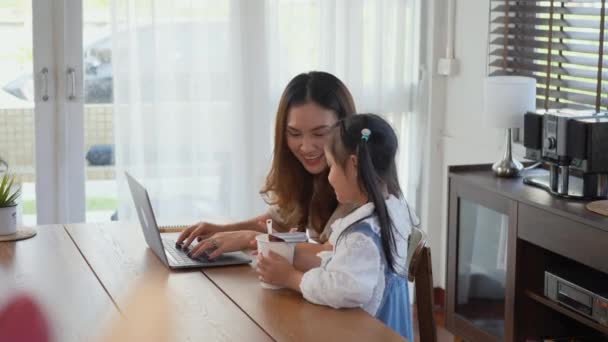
<point x="223" y="242"/>
<point x="275" y="269"/>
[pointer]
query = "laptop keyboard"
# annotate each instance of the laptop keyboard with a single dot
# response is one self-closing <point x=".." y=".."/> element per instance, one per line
<point x="182" y="257"/>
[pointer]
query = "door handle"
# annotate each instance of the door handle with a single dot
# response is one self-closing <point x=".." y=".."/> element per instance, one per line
<point x="72" y="82"/>
<point x="45" y="83"/>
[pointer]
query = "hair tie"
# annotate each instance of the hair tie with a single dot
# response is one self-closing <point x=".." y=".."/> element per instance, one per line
<point x="365" y="133"/>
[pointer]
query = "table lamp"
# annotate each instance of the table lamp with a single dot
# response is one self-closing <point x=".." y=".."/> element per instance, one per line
<point x="506" y="100"/>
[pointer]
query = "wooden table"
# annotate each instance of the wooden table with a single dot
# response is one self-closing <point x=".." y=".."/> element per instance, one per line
<point x="94" y="266"/>
<point x="50" y="267"/>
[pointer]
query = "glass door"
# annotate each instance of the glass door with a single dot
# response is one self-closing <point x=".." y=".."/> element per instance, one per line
<point x="56" y="109"/>
<point x="481" y="272"/>
<point x="17" y="137"/>
<point x="27" y="101"/>
<point x="70" y="110"/>
<point x="99" y="147"/>
<point x="481" y="261"/>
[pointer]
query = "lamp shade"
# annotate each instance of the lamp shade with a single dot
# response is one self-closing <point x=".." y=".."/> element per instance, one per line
<point x="507" y="99"/>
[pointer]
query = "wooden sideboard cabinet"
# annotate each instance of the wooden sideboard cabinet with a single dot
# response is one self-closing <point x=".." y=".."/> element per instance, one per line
<point x="502" y="237"/>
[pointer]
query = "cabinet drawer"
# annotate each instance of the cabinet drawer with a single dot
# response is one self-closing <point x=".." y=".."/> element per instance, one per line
<point x="563" y="236"/>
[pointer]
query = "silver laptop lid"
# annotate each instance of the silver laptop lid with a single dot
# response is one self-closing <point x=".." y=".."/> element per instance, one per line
<point x="147" y="218"/>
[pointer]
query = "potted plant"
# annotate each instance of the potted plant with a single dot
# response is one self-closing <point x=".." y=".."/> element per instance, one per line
<point x="8" y="205"/>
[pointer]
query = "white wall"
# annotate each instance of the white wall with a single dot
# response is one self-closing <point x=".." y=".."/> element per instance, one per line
<point x="456" y="133"/>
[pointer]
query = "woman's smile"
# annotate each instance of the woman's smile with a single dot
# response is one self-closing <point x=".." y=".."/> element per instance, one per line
<point x="312" y="161"/>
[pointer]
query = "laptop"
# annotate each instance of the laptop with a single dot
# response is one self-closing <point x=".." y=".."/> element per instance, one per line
<point x="166" y="249"/>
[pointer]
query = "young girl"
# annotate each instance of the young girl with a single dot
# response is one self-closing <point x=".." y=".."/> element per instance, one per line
<point x="367" y="267"/>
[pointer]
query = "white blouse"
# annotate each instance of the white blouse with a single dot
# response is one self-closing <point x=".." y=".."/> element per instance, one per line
<point x="352" y="275"/>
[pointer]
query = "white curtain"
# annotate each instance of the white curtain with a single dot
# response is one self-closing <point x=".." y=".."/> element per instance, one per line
<point x="197" y="84"/>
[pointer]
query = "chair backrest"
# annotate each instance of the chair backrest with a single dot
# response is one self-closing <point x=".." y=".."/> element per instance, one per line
<point x="420" y="272"/>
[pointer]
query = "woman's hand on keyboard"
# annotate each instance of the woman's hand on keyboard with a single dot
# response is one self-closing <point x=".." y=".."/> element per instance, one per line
<point x="224" y="242"/>
<point x="201" y="230"/>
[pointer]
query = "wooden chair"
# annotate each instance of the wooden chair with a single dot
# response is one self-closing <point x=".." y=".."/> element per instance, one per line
<point x="420" y="272"/>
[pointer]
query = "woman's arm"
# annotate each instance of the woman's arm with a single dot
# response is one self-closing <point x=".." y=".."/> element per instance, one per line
<point x="257" y="223"/>
<point x="204" y="230"/>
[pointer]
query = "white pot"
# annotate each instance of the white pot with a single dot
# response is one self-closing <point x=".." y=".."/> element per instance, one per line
<point x="8" y="220"/>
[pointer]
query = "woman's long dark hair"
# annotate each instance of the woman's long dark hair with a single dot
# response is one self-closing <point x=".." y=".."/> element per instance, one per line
<point x="299" y="194"/>
<point x="376" y="169"/>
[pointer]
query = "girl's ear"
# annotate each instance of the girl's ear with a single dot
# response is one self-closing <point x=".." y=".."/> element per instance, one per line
<point x="354" y="160"/>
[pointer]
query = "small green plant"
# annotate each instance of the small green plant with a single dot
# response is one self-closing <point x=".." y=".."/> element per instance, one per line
<point x="8" y="197"/>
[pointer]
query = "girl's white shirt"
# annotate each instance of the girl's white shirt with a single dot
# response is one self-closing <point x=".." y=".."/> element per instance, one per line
<point x="352" y="275"/>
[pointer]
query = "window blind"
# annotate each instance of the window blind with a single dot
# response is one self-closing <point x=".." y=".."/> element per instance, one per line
<point x="560" y="43"/>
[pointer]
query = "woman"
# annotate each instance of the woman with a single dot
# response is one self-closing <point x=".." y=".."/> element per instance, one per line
<point x="296" y="188"/>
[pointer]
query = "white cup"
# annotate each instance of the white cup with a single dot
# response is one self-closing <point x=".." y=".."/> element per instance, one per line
<point x="283" y="249"/>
